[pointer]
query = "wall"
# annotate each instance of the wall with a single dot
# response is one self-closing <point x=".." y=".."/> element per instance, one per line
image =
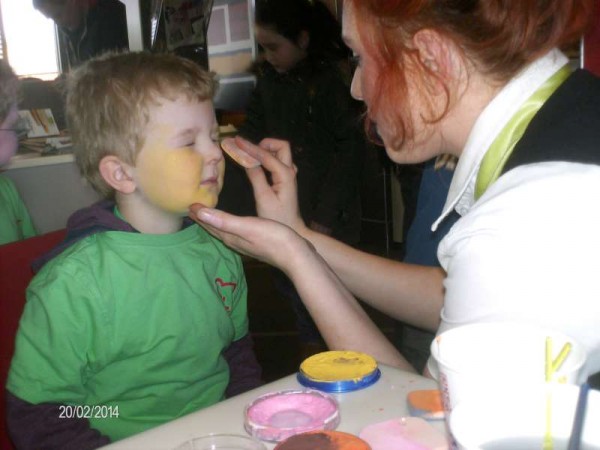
<point x="232" y="50"/>
<point x="52" y="191"/>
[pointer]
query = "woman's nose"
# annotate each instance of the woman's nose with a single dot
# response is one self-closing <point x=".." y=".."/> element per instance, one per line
<point x="268" y="55"/>
<point x="355" y="87"/>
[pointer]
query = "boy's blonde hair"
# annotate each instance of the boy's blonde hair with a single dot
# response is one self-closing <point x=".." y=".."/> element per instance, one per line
<point x="8" y="89"/>
<point x="109" y="100"/>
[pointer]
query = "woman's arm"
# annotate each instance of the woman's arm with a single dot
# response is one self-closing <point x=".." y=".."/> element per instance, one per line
<point x="411" y="293"/>
<point x="343" y="323"/>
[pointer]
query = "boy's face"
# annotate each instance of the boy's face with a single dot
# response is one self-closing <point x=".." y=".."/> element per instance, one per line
<point x="181" y="162"/>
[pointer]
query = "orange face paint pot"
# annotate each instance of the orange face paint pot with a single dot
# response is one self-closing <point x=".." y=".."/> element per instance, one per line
<point x="323" y="440"/>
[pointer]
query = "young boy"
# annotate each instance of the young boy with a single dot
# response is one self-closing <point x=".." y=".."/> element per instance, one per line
<point x="141" y="317"/>
<point x="15" y="222"/>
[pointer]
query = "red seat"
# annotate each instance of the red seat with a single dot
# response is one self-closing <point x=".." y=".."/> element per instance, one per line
<point x="15" y="274"/>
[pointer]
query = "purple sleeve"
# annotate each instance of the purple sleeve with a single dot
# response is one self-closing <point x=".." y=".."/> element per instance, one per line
<point x="245" y="372"/>
<point x="39" y="426"/>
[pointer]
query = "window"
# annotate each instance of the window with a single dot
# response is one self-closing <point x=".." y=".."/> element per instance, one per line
<point x="2" y="48"/>
<point x="28" y="40"/>
<point x="230" y="28"/>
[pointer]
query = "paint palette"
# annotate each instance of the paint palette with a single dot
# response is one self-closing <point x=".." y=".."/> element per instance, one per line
<point x="339" y="371"/>
<point x="323" y="440"/>
<point x="276" y="416"/>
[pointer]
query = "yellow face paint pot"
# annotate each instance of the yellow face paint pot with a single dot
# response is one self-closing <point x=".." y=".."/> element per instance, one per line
<point x="339" y="371"/>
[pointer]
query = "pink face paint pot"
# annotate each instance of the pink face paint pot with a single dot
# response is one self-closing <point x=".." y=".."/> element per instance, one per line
<point x="323" y="440"/>
<point x="278" y="415"/>
<point x="339" y="371"/>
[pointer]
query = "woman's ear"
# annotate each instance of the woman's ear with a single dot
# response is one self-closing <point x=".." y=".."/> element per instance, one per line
<point x="117" y="174"/>
<point x="436" y="52"/>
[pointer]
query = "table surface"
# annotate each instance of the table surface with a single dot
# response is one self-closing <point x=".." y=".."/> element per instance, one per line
<point x="384" y="400"/>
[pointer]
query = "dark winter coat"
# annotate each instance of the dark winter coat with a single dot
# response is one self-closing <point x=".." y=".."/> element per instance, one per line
<point x="311" y="107"/>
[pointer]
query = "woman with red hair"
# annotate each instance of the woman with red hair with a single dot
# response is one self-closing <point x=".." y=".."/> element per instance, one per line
<point x="485" y="82"/>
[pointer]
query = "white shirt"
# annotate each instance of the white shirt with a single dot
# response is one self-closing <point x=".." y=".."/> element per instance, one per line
<point x="509" y="257"/>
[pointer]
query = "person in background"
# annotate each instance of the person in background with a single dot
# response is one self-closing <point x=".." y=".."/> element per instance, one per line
<point x="15" y="222"/>
<point x="484" y="81"/>
<point x="86" y="28"/>
<point x="140" y="316"/>
<point x="302" y="96"/>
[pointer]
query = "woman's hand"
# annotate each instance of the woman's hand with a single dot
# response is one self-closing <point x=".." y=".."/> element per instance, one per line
<point x="271" y="237"/>
<point x="263" y="239"/>
<point x="276" y="195"/>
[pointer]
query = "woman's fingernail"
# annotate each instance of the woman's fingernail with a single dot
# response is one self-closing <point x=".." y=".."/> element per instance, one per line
<point x="211" y="217"/>
<point x="205" y="214"/>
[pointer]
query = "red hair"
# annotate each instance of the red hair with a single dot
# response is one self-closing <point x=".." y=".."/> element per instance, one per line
<point x="500" y="37"/>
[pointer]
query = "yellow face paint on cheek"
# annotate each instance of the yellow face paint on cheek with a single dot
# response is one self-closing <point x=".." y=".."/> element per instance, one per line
<point x="172" y="178"/>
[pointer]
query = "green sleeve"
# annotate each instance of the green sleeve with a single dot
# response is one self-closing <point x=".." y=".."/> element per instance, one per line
<point x="15" y="222"/>
<point x="53" y="347"/>
<point x="27" y="229"/>
<point x="239" y="311"/>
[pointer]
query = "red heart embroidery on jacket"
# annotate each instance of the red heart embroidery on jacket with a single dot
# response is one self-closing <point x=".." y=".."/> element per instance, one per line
<point x="225" y="288"/>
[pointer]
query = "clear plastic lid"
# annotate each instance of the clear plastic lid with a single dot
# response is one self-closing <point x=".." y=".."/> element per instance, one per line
<point x="222" y="442"/>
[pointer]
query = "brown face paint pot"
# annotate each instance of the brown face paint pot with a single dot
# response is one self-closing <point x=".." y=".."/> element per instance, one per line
<point x="323" y="440"/>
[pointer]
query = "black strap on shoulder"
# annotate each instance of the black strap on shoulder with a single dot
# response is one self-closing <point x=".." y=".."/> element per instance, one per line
<point x="566" y="128"/>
